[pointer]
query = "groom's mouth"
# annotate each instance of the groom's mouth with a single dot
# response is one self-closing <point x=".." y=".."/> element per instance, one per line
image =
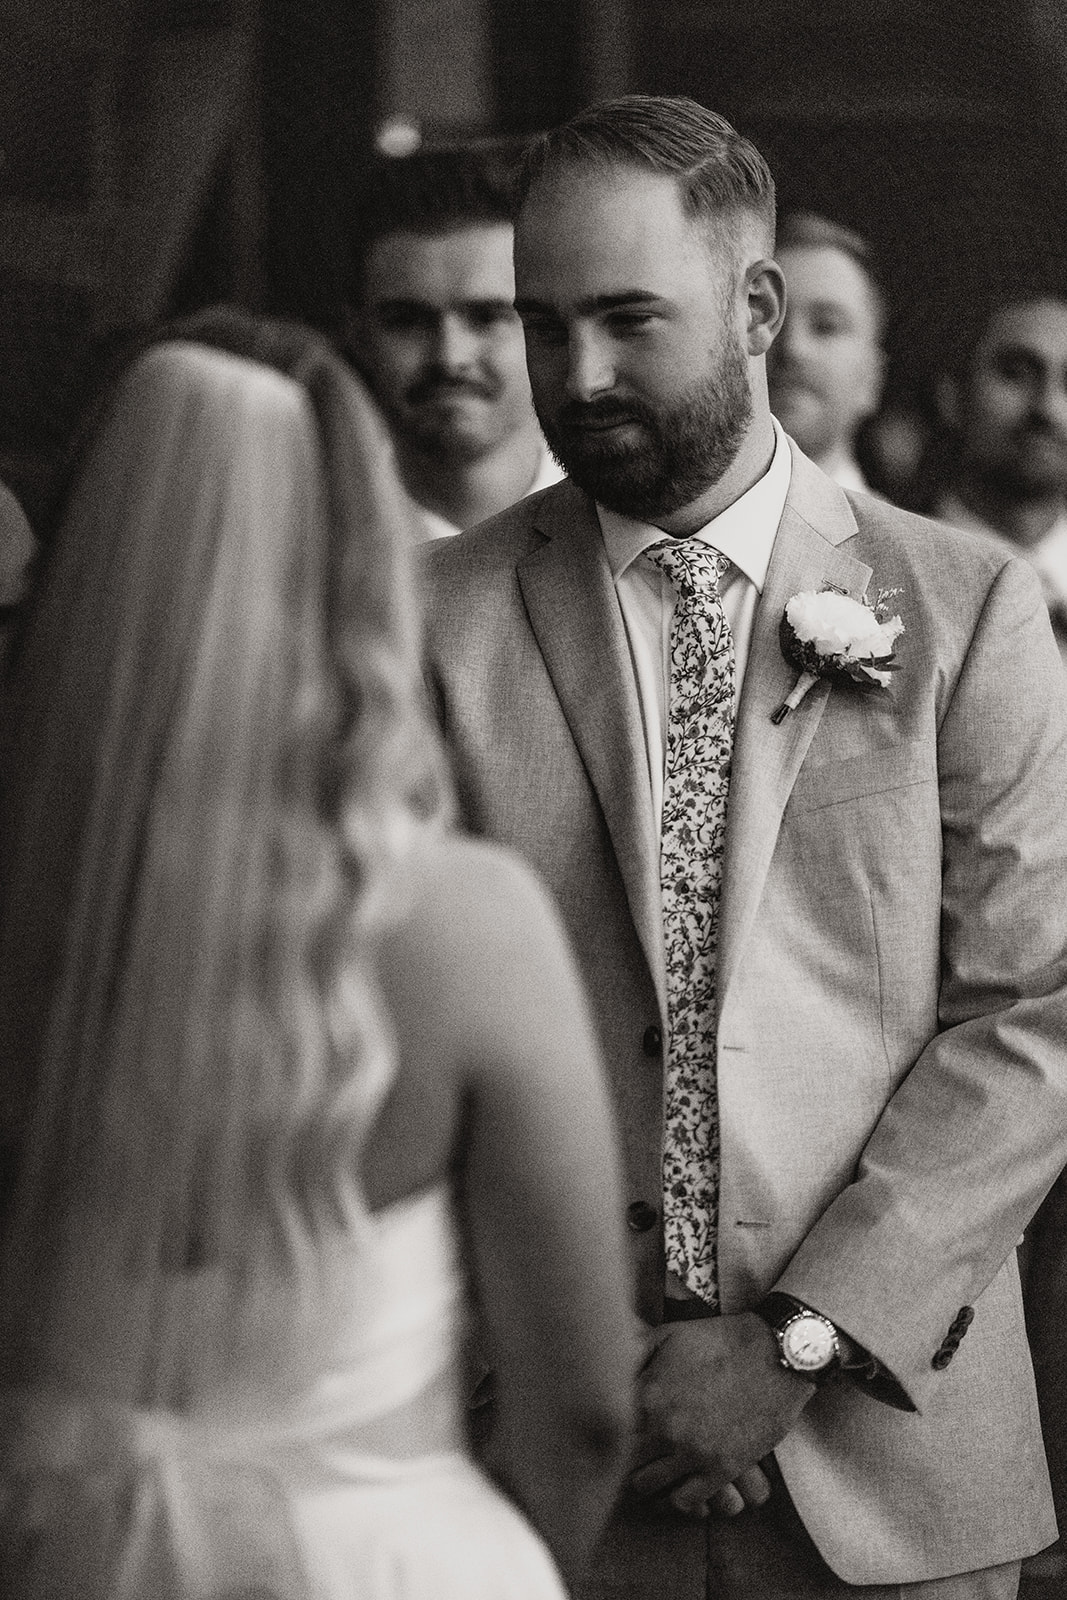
<point x="593" y="424"/>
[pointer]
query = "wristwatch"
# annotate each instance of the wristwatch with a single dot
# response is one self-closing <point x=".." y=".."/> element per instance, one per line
<point x="808" y="1342"/>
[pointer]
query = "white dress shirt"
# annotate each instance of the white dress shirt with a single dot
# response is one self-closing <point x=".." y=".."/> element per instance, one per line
<point x="846" y="473"/>
<point x="745" y="534"/>
<point x="434" y="526"/>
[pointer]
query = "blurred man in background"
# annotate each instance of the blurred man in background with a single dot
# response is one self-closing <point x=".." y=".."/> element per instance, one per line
<point x="826" y="367"/>
<point x="1008" y="411"/>
<point x="17" y="546"/>
<point x="432" y="326"/>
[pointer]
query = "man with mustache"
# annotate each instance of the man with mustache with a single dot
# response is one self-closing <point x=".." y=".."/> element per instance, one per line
<point x="432" y="326"/>
<point x="825" y="949"/>
<point x="1008" y="412"/>
<point x="826" y="367"/>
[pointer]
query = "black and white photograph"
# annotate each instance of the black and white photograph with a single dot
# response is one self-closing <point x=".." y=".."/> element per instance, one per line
<point x="533" y="800"/>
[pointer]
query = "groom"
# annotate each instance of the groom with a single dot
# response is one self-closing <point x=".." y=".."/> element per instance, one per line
<point x="826" y="953"/>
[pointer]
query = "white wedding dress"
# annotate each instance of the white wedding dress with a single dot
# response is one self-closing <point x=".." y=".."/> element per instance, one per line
<point x="329" y="1467"/>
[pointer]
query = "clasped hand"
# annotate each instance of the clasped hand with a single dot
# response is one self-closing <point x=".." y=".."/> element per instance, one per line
<point x="713" y="1400"/>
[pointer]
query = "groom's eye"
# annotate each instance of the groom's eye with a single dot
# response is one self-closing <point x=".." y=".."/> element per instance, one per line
<point x="631" y="321"/>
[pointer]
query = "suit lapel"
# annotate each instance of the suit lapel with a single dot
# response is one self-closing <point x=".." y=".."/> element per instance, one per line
<point x="808" y="554"/>
<point x="574" y="612"/>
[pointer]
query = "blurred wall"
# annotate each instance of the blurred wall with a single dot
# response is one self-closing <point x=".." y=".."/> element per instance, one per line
<point x="435" y="64"/>
<point x="494" y="66"/>
<point x="158" y="154"/>
<point x="316" y="108"/>
<point x="119" y="120"/>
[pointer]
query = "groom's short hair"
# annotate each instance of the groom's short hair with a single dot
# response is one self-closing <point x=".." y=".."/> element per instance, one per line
<point x="720" y="173"/>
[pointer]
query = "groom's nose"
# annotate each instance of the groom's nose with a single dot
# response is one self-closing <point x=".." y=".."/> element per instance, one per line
<point x="590" y="369"/>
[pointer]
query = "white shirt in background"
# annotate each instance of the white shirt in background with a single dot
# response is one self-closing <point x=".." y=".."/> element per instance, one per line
<point x="847" y="475"/>
<point x="1048" y="557"/>
<point x="435" y="526"/>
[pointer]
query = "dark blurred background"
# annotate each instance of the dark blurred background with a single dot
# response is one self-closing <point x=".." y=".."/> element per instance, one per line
<point x="156" y="155"/>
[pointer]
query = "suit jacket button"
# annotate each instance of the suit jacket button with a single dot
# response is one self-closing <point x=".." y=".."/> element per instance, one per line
<point x="640" y="1216"/>
<point x="652" y="1042"/>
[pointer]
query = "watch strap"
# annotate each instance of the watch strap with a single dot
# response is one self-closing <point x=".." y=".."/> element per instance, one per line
<point x="777" y="1308"/>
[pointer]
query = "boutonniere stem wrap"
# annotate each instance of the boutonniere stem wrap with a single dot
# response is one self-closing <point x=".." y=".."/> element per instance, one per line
<point x="828" y="634"/>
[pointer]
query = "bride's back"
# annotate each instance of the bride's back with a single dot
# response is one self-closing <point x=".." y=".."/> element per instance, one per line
<point x="214" y="772"/>
<point x="287" y="1064"/>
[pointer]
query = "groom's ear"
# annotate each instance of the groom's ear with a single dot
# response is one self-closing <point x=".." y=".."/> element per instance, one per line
<point x="765" y="292"/>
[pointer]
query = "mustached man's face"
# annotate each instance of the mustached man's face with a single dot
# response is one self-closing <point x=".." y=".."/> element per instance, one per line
<point x="633" y="337"/>
<point x="440" y="341"/>
<point x="1013" y="413"/>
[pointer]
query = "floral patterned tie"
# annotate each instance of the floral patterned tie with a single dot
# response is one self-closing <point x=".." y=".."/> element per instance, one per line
<point x="699" y="745"/>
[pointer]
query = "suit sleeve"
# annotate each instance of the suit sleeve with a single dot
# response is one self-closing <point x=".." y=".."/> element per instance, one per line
<point x="976" y="1133"/>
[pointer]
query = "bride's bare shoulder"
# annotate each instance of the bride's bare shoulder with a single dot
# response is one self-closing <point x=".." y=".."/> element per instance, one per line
<point x="487" y="882"/>
<point x="456" y="962"/>
<point x="470" y="905"/>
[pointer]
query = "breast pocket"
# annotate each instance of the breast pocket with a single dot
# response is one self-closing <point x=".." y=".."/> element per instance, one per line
<point x="835" y="783"/>
<point x="859" y="852"/>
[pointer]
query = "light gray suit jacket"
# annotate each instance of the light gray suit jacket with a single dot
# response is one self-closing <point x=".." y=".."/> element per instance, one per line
<point x="892" y="1052"/>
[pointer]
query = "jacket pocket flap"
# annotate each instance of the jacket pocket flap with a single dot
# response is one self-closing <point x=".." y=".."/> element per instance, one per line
<point x="831" y="783"/>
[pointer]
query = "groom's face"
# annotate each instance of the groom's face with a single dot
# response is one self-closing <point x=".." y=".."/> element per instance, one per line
<point x="634" y="336"/>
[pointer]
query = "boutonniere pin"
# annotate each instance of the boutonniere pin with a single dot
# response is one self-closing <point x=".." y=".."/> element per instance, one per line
<point x="827" y="634"/>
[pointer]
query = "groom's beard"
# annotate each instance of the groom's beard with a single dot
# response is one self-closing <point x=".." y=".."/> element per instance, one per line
<point x="646" y="463"/>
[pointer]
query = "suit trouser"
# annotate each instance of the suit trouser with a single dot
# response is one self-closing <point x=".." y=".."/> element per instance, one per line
<point x="764" y="1553"/>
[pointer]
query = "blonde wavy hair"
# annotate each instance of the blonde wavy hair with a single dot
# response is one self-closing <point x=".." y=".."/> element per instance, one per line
<point x="218" y="763"/>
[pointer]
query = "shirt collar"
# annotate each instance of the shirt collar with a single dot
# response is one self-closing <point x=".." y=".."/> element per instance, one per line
<point x="744" y="533"/>
<point x="950" y="508"/>
<point x="548" y="473"/>
<point x="1050" y="559"/>
<point x="845" y="471"/>
<point x="435" y="526"/>
<point x="1048" y="556"/>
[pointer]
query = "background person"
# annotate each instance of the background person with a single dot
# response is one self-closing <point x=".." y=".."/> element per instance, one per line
<point x="274" y="1044"/>
<point x="1007" y="416"/>
<point x="17" y="548"/>
<point x="432" y="326"/>
<point x="826" y="367"/>
<point x="826" y="953"/>
<point x="1007" y="411"/>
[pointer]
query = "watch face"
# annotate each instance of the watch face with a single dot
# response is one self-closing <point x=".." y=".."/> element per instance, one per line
<point x="809" y="1343"/>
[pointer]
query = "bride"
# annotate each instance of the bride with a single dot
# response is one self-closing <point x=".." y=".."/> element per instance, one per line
<point x="299" y="1088"/>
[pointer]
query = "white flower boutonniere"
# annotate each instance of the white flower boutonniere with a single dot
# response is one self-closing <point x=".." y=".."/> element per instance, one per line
<point x="827" y="634"/>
